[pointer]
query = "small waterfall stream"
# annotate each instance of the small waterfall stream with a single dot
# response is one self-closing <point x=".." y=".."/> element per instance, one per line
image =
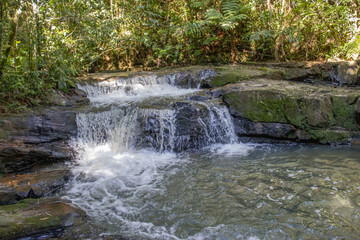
<point x="132" y="137"/>
<point x="157" y="158"/>
<point x="132" y="119"/>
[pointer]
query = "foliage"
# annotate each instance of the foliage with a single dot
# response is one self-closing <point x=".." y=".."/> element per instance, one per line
<point x="45" y="43"/>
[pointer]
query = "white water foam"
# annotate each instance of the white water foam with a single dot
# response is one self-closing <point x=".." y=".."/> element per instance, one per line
<point x="114" y="180"/>
<point x="133" y="89"/>
<point x="110" y="182"/>
<point x="232" y="149"/>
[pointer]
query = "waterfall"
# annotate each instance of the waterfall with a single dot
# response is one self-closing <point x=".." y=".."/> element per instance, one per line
<point x="174" y="126"/>
<point x="131" y="139"/>
<point x="183" y="126"/>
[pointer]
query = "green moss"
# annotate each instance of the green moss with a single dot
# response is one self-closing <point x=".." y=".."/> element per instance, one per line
<point x="29" y="226"/>
<point x="40" y="222"/>
<point x="258" y="106"/>
<point x="344" y="114"/>
<point x="293" y="112"/>
<point x="27" y="217"/>
<point x="19" y="206"/>
<point x="224" y="79"/>
<point x="317" y="111"/>
<point x="267" y="110"/>
<point x="11" y="232"/>
<point x="330" y="136"/>
<point x="233" y="74"/>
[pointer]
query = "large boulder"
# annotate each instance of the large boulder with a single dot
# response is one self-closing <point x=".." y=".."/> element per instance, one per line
<point x="41" y="135"/>
<point x="31" y="138"/>
<point x="29" y="217"/>
<point x="318" y="113"/>
<point x="346" y="73"/>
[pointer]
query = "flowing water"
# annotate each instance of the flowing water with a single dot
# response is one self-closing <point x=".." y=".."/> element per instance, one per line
<point x="153" y="164"/>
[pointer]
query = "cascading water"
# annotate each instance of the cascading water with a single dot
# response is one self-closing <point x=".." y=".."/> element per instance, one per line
<point x="156" y="161"/>
<point x="130" y="140"/>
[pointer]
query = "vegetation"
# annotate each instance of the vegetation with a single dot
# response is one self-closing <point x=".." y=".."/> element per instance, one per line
<point x="43" y="43"/>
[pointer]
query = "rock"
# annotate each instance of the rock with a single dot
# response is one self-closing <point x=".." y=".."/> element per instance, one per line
<point x="8" y="195"/>
<point x="35" y="216"/>
<point x="233" y="74"/>
<point x="32" y="185"/>
<point x="357" y="110"/>
<point x="330" y="136"/>
<point x="245" y="127"/>
<point x="75" y="97"/>
<point x="258" y="105"/>
<point x="346" y="73"/>
<point x="317" y="110"/>
<point x="31" y="138"/>
<point x="185" y="124"/>
<point x="197" y="98"/>
<point x="323" y="114"/>
<point x="295" y="74"/>
<point x="41" y="135"/>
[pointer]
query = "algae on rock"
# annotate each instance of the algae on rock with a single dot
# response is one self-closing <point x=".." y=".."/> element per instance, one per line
<point x="321" y="113"/>
<point x="34" y="216"/>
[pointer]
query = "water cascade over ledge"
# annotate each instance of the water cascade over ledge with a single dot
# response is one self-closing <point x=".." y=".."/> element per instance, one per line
<point x="158" y="158"/>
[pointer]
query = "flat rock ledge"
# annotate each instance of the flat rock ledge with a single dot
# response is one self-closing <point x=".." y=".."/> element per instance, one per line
<point x="40" y="136"/>
<point x="294" y="111"/>
<point x="41" y="183"/>
<point x="31" y="217"/>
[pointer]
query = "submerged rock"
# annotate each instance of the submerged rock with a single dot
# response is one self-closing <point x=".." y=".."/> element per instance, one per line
<point x="35" y="216"/>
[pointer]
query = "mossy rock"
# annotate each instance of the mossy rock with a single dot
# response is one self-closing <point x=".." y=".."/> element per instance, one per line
<point x="314" y="111"/>
<point x="34" y="216"/>
<point x="234" y="73"/>
<point x="343" y="108"/>
<point x="326" y="136"/>
<point x="317" y="111"/>
<point x="257" y="105"/>
<point x="223" y="79"/>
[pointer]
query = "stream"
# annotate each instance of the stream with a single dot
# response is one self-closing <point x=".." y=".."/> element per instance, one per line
<point x="159" y="161"/>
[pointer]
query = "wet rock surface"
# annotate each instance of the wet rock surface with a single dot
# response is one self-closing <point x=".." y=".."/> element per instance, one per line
<point x="41" y="183"/>
<point x="190" y="123"/>
<point x="40" y="136"/>
<point x="35" y="216"/>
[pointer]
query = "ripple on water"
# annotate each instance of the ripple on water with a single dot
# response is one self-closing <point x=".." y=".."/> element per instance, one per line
<point x="234" y="191"/>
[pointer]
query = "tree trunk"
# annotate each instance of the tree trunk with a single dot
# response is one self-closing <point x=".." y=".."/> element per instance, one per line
<point x="1" y="26"/>
<point x="233" y="50"/>
<point x="38" y="41"/>
<point x="277" y="49"/>
<point x="13" y="29"/>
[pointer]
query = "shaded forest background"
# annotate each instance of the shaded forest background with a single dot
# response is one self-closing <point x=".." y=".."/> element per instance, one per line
<point x="44" y="43"/>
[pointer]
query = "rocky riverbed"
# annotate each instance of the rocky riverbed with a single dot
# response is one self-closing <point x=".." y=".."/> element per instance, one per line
<point x="296" y="102"/>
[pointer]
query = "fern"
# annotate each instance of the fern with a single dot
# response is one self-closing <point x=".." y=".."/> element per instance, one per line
<point x="213" y="15"/>
<point x="230" y="8"/>
<point x="230" y="16"/>
<point x="352" y="49"/>
<point x="194" y="29"/>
